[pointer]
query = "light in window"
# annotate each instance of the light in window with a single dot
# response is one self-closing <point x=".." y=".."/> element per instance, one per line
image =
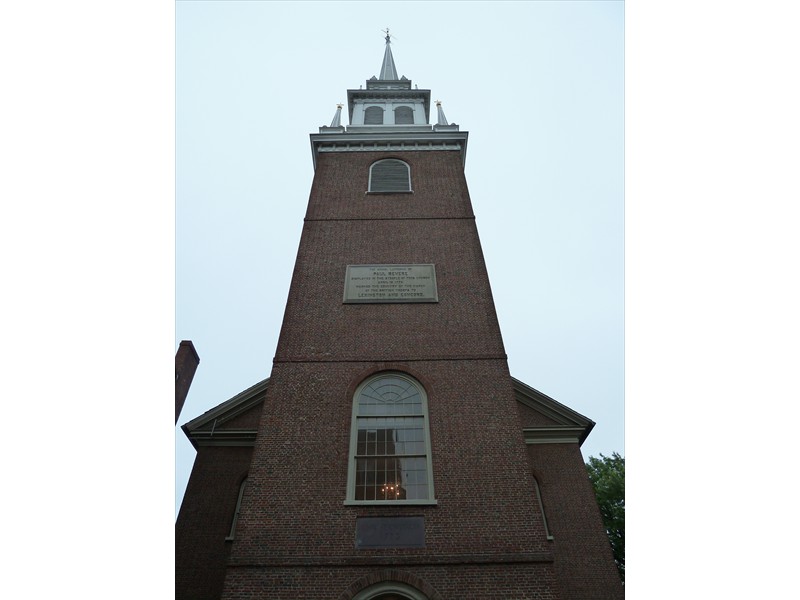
<point x="390" y="453"/>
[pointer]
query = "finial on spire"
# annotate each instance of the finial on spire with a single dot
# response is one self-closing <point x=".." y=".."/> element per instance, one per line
<point x="337" y="118"/>
<point x="388" y="71"/>
<point x="441" y="119"/>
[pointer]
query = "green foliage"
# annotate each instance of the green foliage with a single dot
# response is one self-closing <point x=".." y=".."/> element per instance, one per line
<point x="607" y="475"/>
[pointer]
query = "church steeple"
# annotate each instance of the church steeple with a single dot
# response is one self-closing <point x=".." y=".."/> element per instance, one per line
<point x="388" y="113"/>
<point x="388" y="70"/>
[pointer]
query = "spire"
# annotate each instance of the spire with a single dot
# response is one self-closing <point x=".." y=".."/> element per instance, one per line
<point x="441" y="119"/>
<point x="387" y="67"/>
<point x="337" y="118"/>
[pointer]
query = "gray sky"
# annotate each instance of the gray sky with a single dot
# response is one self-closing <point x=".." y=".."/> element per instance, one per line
<point x="711" y="247"/>
<point x="539" y="87"/>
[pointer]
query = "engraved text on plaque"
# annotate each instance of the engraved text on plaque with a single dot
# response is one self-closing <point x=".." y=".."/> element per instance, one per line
<point x="369" y="284"/>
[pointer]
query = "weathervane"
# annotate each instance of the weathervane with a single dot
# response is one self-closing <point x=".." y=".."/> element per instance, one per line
<point x="388" y="40"/>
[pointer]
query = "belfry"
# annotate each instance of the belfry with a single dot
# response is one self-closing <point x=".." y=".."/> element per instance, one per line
<point x="390" y="453"/>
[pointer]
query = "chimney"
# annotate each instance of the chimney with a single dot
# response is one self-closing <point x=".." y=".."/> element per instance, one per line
<point x="186" y="361"/>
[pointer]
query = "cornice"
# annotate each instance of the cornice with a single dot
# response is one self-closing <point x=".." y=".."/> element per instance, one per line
<point x="553" y="435"/>
<point x="223" y="437"/>
<point x="572" y="426"/>
<point x="396" y="140"/>
<point x="205" y="430"/>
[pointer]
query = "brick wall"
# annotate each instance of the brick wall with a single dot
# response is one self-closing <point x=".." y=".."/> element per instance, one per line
<point x="432" y="225"/>
<point x="204" y="521"/>
<point x="584" y="562"/>
<point x="452" y="581"/>
<point x="297" y="485"/>
<point x="484" y="537"/>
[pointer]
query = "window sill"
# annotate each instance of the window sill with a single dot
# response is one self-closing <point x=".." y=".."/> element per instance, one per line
<point x="368" y="193"/>
<point x="390" y="502"/>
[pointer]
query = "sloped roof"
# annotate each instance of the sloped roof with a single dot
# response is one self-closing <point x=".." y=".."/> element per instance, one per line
<point x="218" y="427"/>
<point x="562" y="423"/>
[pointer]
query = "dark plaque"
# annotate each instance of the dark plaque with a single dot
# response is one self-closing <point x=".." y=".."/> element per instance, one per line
<point x="390" y="532"/>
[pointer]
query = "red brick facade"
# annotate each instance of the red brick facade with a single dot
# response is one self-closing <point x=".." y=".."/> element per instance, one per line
<point x="209" y="503"/>
<point x="485" y="535"/>
<point x="186" y="361"/>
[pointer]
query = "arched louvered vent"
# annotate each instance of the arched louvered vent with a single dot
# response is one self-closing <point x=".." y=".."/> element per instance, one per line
<point x="373" y="116"/>
<point x="389" y="175"/>
<point x="403" y="115"/>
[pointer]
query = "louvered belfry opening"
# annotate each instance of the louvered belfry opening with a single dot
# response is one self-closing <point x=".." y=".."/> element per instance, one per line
<point x="389" y="175"/>
<point x="403" y="115"/>
<point x="373" y="116"/>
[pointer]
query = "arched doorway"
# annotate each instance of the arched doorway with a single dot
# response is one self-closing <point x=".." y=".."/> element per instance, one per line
<point x="390" y="590"/>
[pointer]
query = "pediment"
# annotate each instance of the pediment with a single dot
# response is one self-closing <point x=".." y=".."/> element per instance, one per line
<point x="232" y="423"/>
<point x="545" y="420"/>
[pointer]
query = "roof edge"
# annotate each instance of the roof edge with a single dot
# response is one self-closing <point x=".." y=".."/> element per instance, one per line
<point x="572" y="423"/>
<point x="230" y="408"/>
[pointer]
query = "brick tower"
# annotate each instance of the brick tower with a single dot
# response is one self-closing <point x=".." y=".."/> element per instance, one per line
<point x="390" y="454"/>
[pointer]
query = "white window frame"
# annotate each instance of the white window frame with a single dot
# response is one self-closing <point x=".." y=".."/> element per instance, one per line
<point x="351" y="467"/>
<point x="408" y="169"/>
<point x="232" y="532"/>
<point x="390" y="587"/>
<point x="541" y="508"/>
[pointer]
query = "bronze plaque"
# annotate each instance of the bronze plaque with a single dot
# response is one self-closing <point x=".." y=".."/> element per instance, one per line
<point x="390" y="532"/>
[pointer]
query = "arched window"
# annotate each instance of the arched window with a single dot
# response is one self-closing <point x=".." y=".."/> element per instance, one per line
<point x="541" y="508"/>
<point x="390" y="457"/>
<point x="373" y="116"/>
<point x="390" y="590"/>
<point x="389" y="175"/>
<point x="403" y="115"/>
<point x="236" y="511"/>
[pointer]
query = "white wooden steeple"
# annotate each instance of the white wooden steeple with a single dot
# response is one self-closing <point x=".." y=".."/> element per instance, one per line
<point x="388" y="113"/>
<point x="388" y="70"/>
<point x="388" y="100"/>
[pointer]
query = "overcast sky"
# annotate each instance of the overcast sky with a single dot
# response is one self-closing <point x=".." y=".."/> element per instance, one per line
<point x="539" y="87"/>
<point x="711" y="246"/>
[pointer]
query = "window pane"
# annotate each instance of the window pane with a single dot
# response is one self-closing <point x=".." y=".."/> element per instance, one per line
<point x="390" y="446"/>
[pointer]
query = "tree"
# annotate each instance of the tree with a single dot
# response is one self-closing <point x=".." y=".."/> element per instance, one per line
<point x="607" y="475"/>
